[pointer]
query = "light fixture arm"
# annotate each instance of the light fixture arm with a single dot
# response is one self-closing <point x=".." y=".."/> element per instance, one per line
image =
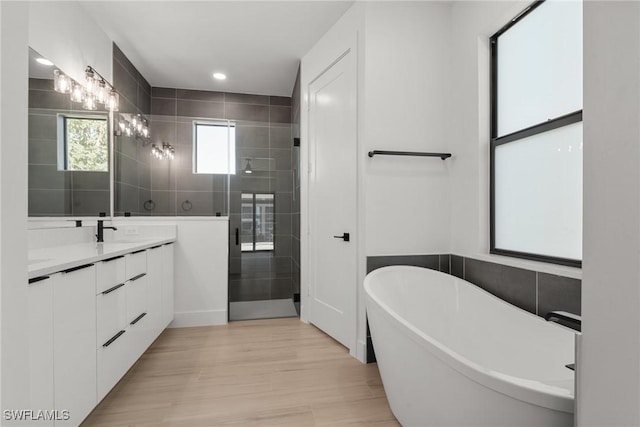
<point x="90" y="69"/>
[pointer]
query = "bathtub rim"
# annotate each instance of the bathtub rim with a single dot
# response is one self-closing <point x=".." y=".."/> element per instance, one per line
<point x="533" y="392"/>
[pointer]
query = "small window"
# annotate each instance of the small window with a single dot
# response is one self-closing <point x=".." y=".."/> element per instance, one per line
<point x="83" y="143"/>
<point x="257" y="222"/>
<point x="536" y="134"/>
<point x="214" y="148"/>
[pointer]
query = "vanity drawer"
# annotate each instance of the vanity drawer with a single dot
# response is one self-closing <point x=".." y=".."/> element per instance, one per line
<point x="113" y="361"/>
<point x="109" y="273"/>
<point x="111" y="307"/>
<point x="136" y="297"/>
<point x="136" y="264"/>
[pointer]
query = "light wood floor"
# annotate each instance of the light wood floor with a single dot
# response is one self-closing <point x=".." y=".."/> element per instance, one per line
<point x="278" y="372"/>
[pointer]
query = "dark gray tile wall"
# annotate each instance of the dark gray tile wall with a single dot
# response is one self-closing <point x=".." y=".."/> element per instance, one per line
<point x="54" y="192"/>
<point x="536" y="292"/>
<point x="252" y="276"/>
<point x="132" y="158"/>
<point x="280" y="139"/>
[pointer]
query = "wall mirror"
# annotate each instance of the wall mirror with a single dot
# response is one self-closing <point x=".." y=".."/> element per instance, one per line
<point x="69" y="155"/>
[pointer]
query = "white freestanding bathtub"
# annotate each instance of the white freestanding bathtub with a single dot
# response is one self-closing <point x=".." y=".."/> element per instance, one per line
<point x="451" y="354"/>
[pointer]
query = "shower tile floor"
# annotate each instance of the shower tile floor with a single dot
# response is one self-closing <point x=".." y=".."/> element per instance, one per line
<point x="263" y="309"/>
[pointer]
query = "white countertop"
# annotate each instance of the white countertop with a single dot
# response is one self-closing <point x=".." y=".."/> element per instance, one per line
<point x="50" y="260"/>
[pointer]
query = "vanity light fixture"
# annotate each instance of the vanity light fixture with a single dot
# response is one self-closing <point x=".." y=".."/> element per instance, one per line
<point x="95" y="91"/>
<point x="133" y="125"/>
<point x="166" y="152"/>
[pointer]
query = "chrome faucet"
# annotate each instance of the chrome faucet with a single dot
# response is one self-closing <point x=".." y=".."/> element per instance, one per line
<point x="101" y="228"/>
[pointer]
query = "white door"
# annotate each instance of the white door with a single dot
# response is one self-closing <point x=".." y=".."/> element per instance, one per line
<point x="332" y="200"/>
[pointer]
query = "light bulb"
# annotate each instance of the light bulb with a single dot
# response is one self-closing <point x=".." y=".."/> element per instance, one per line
<point x="145" y="132"/>
<point x="77" y="93"/>
<point x="134" y="121"/>
<point x="89" y="102"/>
<point x="113" y="101"/>
<point x="91" y="82"/>
<point x="61" y="82"/>
<point x="101" y="92"/>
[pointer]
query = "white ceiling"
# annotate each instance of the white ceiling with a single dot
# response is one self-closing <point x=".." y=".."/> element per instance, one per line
<point x="257" y="44"/>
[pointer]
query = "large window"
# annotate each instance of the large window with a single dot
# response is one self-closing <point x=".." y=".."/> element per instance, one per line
<point x="536" y="134"/>
<point x="83" y="143"/>
<point x="214" y="147"/>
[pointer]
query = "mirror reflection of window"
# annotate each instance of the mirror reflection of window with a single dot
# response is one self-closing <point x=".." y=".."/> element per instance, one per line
<point x="83" y="143"/>
<point x="258" y="222"/>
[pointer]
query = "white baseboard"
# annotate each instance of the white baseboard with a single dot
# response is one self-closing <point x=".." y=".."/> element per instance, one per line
<point x="361" y="351"/>
<point x="199" y="318"/>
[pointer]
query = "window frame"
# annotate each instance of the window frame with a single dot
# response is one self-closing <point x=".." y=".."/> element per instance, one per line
<point x="495" y="141"/>
<point x="214" y="122"/>
<point x="62" y="140"/>
<point x="253" y="221"/>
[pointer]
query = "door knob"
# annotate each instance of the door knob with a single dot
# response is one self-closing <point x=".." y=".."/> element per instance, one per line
<point x="345" y="237"/>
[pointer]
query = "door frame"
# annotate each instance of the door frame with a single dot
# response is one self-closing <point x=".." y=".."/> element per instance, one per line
<point x="328" y="51"/>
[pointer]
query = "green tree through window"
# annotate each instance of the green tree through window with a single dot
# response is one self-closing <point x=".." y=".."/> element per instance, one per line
<point x="86" y="144"/>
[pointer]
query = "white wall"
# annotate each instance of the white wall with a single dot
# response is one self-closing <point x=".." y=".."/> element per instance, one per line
<point x="406" y="92"/>
<point x="14" y="346"/>
<point x="64" y="33"/>
<point x="609" y="368"/>
<point x="201" y="267"/>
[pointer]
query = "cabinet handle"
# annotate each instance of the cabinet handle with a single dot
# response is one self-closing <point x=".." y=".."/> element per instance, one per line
<point x="69" y="270"/>
<point x="113" y="338"/>
<point x="112" y="289"/>
<point x="138" y="276"/>
<point x="112" y="259"/>
<point x="137" y="252"/>
<point x="237" y="236"/>
<point x="134" y="321"/>
<point x="38" y="279"/>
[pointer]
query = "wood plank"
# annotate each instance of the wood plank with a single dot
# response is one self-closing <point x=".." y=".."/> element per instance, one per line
<point x="275" y="372"/>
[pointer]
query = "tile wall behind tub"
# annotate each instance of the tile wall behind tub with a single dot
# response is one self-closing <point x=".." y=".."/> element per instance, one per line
<point x="536" y="292"/>
<point x="54" y="192"/>
<point x="132" y="158"/>
<point x="263" y="131"/>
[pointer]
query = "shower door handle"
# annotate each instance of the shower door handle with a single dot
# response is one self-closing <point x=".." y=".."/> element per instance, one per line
<point x="345" y="237"/>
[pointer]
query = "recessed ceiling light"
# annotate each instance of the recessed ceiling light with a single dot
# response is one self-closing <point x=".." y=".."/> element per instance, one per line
<point x="44" y="61"/>
<point x="219" y="76"/>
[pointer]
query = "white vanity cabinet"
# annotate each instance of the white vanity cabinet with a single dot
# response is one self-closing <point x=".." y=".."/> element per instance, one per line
<point x="111" y="301"/>
<point x="74" y="343"/>
<point x="155" y="261"/>
<point x="167" y="283"/>
<point x="40" y="294"/>
<point x="89" y="324"/>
